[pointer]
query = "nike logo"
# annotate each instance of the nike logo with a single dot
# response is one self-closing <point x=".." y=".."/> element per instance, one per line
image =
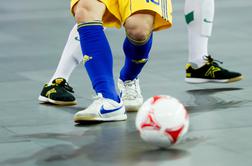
<point x="104" y="111"/>
<point x="207" y="21"/>
<point x="77" y="38"/>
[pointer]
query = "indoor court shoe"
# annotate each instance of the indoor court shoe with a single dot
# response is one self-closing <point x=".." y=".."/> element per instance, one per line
<point x="131" y="94"/>
<point x="102" y="109"/>
<point x="210" y="72"/>
<point x="59" y="93"/>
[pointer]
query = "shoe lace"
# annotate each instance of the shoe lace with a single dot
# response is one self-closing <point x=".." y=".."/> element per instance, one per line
<point x="98" y="99"/>
<point x="65" y="85"/>
<point x="68" y="87"/>
<point x="210" y="60"/>
<point x="130" y="89"/>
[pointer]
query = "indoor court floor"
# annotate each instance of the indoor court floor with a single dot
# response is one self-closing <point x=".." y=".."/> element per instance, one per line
<point x="32" y="36"/>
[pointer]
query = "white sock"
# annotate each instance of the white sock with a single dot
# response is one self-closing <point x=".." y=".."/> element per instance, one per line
<point x="197" y="47"/>
<point x="198" y="30"/>
<point x="70" y="58"/>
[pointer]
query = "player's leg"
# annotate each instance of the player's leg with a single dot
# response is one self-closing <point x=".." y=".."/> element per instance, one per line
<point x="98" y="61"/>
<point x="70" y="58"/>
<point x="199" y="18"/>
<point x="58" y="91"/>
<point x="199" y="15"/>
<point x="137" y="46"/>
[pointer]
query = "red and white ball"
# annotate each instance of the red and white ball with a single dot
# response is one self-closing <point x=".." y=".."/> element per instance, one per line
<point x="162" y="120"/>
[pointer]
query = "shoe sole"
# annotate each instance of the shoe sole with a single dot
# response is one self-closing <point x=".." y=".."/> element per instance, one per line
<point x="79" y="119"/>
<point x="129" y="107"/>
<point x="132" y="108"/>
<point x="43" y="99"/>
<point x="201" y="80"/>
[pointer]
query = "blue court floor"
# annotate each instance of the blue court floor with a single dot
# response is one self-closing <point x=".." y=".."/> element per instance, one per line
<point x="32" y="36"/>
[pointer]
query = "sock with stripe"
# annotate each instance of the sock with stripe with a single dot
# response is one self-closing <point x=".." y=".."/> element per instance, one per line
<point x="136" y="56"/>
<point x="97" y="57"/>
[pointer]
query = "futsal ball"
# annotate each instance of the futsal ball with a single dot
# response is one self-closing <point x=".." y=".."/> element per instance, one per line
<point x="162" y="120"/>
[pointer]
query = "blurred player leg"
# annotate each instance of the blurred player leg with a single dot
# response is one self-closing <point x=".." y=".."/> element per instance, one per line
<point x="97" y="57"/>
<point x="147" y="16"/>
<point x="58" y="91"/>
<point x="70" y="58"/>
<point x="136" y="47"/>
<point x="199" y="15"/>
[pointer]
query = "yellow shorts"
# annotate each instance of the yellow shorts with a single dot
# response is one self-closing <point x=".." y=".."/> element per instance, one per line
<point x="119" y="10"/>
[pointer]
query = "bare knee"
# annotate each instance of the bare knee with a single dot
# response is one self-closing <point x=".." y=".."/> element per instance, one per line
<point x="139" y="26"/>
<point x="86" y="11"/>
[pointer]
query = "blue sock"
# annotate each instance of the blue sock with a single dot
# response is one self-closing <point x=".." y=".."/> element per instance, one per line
<point x="136" y="56"/>
<point x="98" y="59"/>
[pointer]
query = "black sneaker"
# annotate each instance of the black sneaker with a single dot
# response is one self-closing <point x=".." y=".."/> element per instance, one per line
<point x="210" y="72"/>
<point x="59" y="93"/>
